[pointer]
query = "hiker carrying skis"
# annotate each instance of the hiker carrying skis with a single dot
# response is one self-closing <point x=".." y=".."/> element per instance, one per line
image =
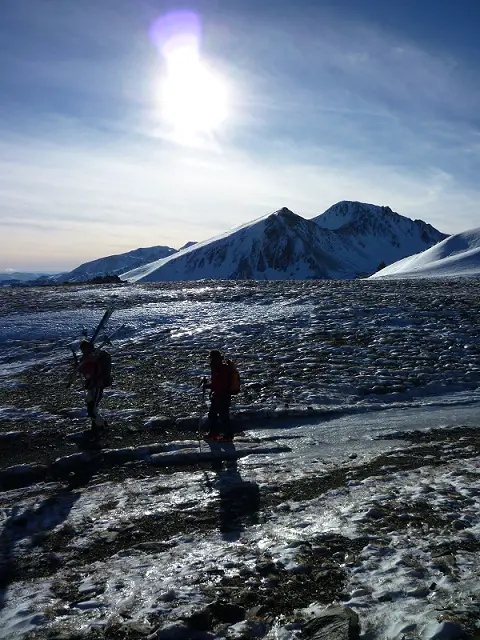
<point x="92" y="369"/>
<point x="221" y="395"/>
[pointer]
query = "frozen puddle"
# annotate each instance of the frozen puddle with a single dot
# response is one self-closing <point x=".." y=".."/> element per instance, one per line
<point x="360" y="434"/>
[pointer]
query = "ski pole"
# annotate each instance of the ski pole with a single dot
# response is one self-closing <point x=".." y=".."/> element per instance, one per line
<point x="202" y="384"/>
<point x="72" y="376"/>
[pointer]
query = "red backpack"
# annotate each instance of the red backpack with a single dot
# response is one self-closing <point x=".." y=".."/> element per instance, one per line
<point x="105" y="362"/>
<point x="234" y="378"/>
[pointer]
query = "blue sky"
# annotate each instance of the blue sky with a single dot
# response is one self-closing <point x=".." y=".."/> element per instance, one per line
<point x="328" y="100"/>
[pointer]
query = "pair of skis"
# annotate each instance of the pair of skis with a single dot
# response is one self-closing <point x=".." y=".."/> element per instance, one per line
<point x="102" y="324"/>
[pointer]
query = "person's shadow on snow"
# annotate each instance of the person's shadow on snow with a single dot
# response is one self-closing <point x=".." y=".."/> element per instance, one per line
<point x="239" y="499"/>
<point x="33" y="522"/>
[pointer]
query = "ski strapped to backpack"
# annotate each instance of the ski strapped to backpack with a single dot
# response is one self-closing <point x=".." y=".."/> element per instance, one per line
<point x="102" y="324"/>
<point x="234" y="377"/>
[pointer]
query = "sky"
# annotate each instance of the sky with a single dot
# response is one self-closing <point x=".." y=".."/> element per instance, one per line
<point x="134" y="123"/>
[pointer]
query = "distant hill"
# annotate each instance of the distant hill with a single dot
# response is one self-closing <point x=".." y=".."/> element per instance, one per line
<point x="456" y="256"/>
<point x="349" y="240"/>
<point x="109" y="266"/>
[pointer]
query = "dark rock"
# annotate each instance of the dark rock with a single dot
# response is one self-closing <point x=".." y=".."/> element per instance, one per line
<point x="108" y="279"/>
<point x="22" y="475"/>
<point x="385" y="597"/>
<point x="265" y="568"/>
<point x="247" y="597"/>
<point x="214" y="572"/>
<point x="189" y="423"/>
<point x="158" y="422"/>
<point x="66" y="635"/>
<point x="226" y="612"/>
<point x="153" y="546"/>
<point x="260" y="611"/>
<point x="11" y="436"/>
<point x="322" y="576"/>
<point x="200" y="621"/>
<point x="335" y="623"/>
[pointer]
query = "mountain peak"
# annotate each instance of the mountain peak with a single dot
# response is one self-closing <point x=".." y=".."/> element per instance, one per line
<point x="279" y="246"/>
<point x="348" y="211"/>
<point x="284" y="213"/>
<point x="378" y="231"/>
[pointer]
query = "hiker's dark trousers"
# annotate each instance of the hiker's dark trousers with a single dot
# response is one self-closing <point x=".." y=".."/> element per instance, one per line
<point x="219" y="416"/>
<point x="92" y="398"/>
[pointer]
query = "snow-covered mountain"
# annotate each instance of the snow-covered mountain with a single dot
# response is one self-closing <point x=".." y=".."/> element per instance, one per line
<point x="111" y="265"/>
<point x="349" y="240"/>
<point x="377" y="233"/>
<point x="456" y="256"/>
<point x="279" y="246"/>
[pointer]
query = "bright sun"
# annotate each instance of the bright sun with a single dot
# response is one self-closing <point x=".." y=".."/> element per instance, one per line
<point x="194" y="100"/>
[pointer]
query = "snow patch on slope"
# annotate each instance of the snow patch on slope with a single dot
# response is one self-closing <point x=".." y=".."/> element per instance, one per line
<point x="456" y="256"/>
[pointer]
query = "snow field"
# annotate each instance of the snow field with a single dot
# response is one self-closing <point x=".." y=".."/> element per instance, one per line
<point x="350" y="343"/>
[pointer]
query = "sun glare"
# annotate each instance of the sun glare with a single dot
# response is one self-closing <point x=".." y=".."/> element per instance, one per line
<point x="193" y="97"/>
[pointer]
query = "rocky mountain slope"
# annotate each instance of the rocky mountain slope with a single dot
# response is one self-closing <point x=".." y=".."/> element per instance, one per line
<point x="347" y="241"/>
<point x="279" y="246"/>
<point x="378" y="234"/>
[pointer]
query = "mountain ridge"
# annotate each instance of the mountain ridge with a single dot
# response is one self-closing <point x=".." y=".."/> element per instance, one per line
<point x="284" y="245"/>
<point x="350" y="239"/>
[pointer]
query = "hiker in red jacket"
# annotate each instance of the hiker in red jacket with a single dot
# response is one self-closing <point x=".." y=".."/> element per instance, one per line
<point x="221" y="396"/>
<point x="91" y="369"/>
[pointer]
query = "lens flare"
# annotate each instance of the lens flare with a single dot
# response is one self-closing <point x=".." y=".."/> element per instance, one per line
<point x="176" y="31"/>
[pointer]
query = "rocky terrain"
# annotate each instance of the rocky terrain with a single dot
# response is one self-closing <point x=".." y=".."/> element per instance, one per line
<point x="319" y="502"/>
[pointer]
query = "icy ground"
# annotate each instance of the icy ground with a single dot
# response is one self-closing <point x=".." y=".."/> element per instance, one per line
<point x="325" y="496"/>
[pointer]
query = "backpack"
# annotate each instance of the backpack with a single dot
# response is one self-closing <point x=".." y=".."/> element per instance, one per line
<point x="105" y="361"/>
<point x="234" y="378"/>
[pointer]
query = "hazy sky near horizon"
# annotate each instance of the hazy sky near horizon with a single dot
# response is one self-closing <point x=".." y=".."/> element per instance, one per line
<point x="112" y="136"/>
